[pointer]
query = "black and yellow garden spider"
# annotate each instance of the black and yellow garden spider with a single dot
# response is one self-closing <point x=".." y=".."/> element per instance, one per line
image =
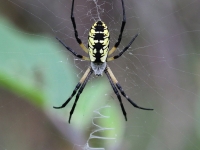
<point x="98" y="51"/>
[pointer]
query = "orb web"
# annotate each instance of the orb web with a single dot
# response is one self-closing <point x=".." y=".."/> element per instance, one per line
<point x="160" y="70"/>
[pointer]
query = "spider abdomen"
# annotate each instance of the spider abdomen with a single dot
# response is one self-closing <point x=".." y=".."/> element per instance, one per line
<point x="98" y="42"/>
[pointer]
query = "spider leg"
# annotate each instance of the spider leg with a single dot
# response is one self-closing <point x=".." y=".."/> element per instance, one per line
<point x="122" y="91"/>
<point x="79" y="93"/>
<point x="121" y="30"/>
<point x="117" y="93"/>
<point x="67" y="101"/>
<point x="72" y="51"/>
<point x="134" y="104"/>
<point x="124" y="50"/>
<point x="75" y="30"/>
<point x="75" y="90"/>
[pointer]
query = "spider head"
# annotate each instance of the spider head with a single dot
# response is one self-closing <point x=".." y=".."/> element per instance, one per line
<point x="98" y="68"/>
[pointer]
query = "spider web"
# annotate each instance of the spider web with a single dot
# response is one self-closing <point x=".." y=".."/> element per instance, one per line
<point x="160" y="71"/>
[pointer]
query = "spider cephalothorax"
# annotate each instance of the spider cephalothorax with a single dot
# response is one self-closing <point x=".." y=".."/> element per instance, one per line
<point x="98" y="51"/>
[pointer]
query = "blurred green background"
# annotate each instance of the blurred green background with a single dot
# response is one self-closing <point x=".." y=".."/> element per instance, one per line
<point x="160" y="71"/>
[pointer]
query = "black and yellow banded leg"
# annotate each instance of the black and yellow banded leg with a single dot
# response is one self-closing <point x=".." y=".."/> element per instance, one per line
<point x="121" y="31"/>
<point x="75" y="30"/>
<point x="117" y="93"/>
<point x="122" y="91"/>
<point x="76" y="88"/>
<point x="72" y="51"/>
<point x="85" y="79"/>
<point x="124" y="50"/>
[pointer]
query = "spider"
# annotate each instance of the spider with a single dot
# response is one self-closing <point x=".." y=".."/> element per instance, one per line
<point x="98" y="51"/>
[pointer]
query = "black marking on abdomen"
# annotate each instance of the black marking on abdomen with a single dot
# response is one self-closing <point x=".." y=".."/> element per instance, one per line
<point x="98" y="42"/>
<point x="99" y="36"/>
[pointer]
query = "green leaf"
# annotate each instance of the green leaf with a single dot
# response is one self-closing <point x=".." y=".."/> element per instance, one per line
<point x="41" y="70"/>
